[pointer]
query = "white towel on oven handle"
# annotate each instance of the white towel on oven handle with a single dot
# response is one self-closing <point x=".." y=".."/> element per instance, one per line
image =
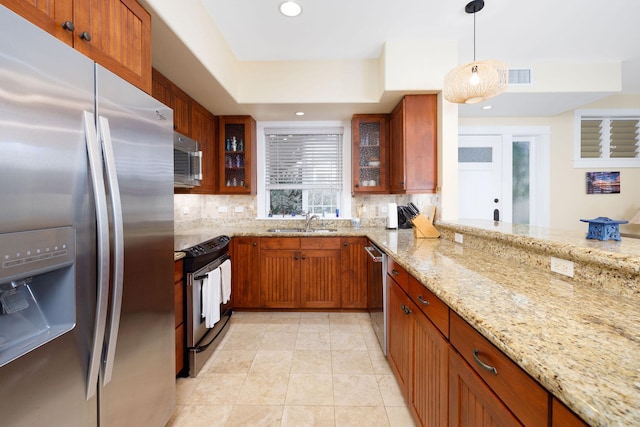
<point x="211" y="294"/>
<point x="225" y="273"/>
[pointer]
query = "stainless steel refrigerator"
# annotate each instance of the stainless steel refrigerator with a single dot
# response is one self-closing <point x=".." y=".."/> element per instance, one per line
<point x="86" y="240"/>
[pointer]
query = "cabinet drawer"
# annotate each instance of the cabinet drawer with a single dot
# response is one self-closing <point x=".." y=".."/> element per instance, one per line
<point x="177" y="271"/>
<point x="398" y="273"/>
<point x="429" y="304"/>
<point x="524" y="396"/>
<point x="320" y="243"/>
<point x="279" y="243"/>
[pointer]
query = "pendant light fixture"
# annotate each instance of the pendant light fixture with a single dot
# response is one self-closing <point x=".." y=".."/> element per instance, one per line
<point x="478" y="80"/>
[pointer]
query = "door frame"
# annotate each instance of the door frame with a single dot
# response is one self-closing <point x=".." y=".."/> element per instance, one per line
<point x="539" y="137"/>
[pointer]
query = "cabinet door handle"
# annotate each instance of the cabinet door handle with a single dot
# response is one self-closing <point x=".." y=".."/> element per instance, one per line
<point x="85" y="36"/>
<point x="345" y="244"/>
<point x="483" y="365"/>
<point x="422" y="301"/>
<point x="255" y="244"/>
<point x="68" y="25"/>
<point x="295" y="257"/>
<point x="304" y="257"/>
<point x="406" y="309"/>
<point x="394" y="272"/>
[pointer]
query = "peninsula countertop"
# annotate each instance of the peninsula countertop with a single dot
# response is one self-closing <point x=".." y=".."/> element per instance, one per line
<point x="580" y="342"/>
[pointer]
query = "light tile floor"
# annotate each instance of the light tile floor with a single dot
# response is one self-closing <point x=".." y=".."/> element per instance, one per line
<point x="294" y="369"/>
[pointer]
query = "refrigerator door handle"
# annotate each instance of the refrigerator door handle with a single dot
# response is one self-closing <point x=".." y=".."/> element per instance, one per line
<point x="118" y="250"/>
<point x="102" y="233"/>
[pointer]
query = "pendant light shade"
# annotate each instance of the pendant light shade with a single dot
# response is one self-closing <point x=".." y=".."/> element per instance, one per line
<point x="477" y="80"/>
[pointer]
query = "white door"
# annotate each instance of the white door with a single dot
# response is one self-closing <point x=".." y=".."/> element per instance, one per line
<point x="481" y="179"/>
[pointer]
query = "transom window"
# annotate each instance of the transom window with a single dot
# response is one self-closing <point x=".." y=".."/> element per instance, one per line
<point x="303" y="171"/>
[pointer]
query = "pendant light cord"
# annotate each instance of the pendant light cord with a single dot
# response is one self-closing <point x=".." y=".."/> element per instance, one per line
<point x="474" y="36"/>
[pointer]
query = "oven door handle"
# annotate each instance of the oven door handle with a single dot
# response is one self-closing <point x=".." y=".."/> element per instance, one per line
<point x="202" y="277"/>
<point x="370" y="250"/>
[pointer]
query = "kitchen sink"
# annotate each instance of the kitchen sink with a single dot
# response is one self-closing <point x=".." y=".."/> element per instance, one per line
<point x="301" y="230"/>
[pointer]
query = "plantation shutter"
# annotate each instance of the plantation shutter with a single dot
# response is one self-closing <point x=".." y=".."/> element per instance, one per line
<point x="624" y="138"/>
<point x="303" y="158"/>
<point x="590" y="138"/>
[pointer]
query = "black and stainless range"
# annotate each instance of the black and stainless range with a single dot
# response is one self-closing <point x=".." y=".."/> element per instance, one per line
<point x="201" y="261"/>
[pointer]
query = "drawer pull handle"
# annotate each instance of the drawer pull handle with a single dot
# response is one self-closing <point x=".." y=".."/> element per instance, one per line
<point x="394" y="272"/>
<point x="422" y="301"/>
<point x="483" y="365"/>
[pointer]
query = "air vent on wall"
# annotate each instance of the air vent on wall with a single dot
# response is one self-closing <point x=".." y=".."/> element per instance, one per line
<point x="520" y="76"/>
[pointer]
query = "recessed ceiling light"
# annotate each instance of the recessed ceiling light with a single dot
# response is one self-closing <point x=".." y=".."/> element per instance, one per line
<point x="487" y="107"/>
<point x="299" y="113"/>
<point x="290" y="8"/>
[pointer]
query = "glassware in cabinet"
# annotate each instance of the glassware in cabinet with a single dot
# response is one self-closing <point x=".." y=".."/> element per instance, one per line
<point x="369" y="134"/>
<point x="237" y="139"/>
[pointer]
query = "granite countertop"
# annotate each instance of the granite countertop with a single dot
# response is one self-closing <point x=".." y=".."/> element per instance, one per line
<point x="581" y="343"/>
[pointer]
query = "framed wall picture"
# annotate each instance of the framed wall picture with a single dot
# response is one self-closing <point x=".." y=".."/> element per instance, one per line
<point x="603" y="182"/>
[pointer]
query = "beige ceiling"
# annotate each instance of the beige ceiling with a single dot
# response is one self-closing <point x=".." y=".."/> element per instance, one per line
<point x="522" y="33"/>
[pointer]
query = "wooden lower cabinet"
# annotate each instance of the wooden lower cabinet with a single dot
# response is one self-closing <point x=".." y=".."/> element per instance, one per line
<point x="561" y="416"/>
<point x="471" y="401"/>
<point x="399" y="336"/>
<point x="280" y="278"/>
<point x="245" y="276"/>
<point x="300" y="272"/>
<point x="418" y="355"/>
<point x="320" y="278"/>
<point x="430" y="361"/>
<point x="354" y="281"/>
<point x="524" y="397"/>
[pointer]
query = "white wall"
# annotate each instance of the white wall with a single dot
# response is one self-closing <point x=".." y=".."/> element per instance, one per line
<point x="569" y="201"/>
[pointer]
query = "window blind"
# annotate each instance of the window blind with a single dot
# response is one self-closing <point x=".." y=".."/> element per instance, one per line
<point x="591" y="136"/>
<point x="609" y="137"/>
<point x="624" y="138"/>
<point x="307" y="158"/>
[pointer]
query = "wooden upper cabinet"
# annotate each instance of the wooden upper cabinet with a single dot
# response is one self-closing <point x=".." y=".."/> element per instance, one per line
<point x="203" y="130"/>
<point x="167" y="92"/>
<point x="119" y="37"/>
<point x="369" y="148"/>
<point x="182" y="110"/>
<point x="237" y="155"/>
<point x="413" y="145"/>
<point x="50" y="15"/>
<point x="114" y="33"/>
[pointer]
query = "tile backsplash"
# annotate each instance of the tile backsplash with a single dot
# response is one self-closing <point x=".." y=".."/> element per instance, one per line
<point x="203" y="210"/>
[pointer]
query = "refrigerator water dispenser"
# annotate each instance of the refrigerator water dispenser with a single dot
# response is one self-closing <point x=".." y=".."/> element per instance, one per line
<point x="37" y="289"/>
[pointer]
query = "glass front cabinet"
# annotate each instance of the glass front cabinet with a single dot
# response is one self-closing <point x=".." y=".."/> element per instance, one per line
<point x="370" y="143"/>
<point x="237" y="139"/>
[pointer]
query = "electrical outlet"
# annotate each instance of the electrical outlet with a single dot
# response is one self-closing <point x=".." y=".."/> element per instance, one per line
<point x="222" y="208"/>
<point x="238" y="209"/>
<point x="458" y="237"/>
<point x="562" y="266"/>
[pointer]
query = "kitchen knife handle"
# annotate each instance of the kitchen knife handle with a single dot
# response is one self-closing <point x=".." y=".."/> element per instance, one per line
<point x="102" y="244"/>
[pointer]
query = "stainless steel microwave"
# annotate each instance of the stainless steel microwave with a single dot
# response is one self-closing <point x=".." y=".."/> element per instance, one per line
<point x="187" y="162"/>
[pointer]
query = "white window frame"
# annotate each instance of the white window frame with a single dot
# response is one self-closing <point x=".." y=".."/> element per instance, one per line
<point x="345" y="195"/>
<point x="604" y="161"/>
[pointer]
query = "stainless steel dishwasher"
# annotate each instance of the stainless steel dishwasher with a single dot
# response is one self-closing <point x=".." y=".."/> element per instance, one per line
<point x="377" y="292"/>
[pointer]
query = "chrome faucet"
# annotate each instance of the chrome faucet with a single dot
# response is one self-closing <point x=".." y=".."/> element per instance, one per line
<point x="309" y="218"/>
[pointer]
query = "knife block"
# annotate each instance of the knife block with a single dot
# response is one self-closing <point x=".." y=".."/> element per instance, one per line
<point x="423" y="228"/>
